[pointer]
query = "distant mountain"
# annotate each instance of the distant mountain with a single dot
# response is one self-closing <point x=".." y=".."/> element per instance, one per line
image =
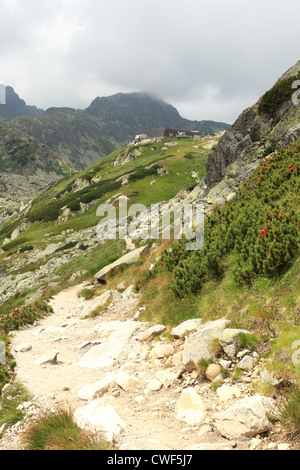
<point x="27" y="168"/>
<point x="124" y="115"/>
<point x="74" y="135"/>
<point x="14" y="106"/>
<point x="82" y="137"/>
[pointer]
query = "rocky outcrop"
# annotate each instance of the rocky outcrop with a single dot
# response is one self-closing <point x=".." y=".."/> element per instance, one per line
<point x="245" y="141"/>
<point x="252" y="137"/>
<point x="126" y="260"/>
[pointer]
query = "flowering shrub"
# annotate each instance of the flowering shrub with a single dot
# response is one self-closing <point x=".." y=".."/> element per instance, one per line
<point x="23" y="316"/>
<point x="13" y="321"/>
<point x="260" y="226"/>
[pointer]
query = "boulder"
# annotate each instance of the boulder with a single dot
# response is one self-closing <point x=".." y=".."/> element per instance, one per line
<point x="153" y="331"/>
<point x="98" y="418"/>
<point x="190" y="407"/>
<point x="212" y="372"/>
<point x="48" y="358"/>
<point x="96" y="389"/>
<point x="199" y="345"/>
<point x="161" y="351"/>
<point x="247" y="363"/>
<point x="126" y="382"/>
<point x="229" y="341"/>
<point x="98" y="302"/>
<point x="246" y="418"/>
<point x="25" y="347"/>
<point x="186" y="327"/>
<point x="127" y="259"/>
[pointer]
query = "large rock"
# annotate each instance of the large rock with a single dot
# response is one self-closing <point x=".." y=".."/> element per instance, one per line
<point x="48" y="358"/>
<point x="153" y="331"/>
<point x="247" y="363"/>
<point x="98" y="302"/>
<point x="97" y="389"/>
<point x="161" y="351"/>
<point x="190" y="407"/>
<point x="98" y="418"/>
<point x="22" y="348"/>
<point x="127" y="259"/>
<point x="186" y="327"/>
<point x="246" y="418"/>
<point x="126" y="382"/>
<point x="199" y="345"/>
<point x="229" y="341"/>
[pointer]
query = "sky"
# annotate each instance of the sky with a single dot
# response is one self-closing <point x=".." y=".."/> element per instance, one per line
<point x="209" y="59"/>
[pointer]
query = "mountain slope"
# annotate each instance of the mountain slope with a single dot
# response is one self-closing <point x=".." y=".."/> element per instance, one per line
<point x="272" y="122"/>
<point x="74" y="135"/>
<point x="27" y="167"/>
<point x="66" y="212"/>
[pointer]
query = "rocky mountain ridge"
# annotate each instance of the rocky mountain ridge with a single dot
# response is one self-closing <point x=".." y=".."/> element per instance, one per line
<point x="14" y="106"/>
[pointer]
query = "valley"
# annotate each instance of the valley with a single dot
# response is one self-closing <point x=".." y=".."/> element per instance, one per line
<point x="176" y="349"/>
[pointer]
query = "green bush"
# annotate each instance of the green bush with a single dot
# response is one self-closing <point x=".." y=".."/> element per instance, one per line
<point x="67" y="246"/>
<point x="58" y="431"/>
<point x="141" y="173"/>
<point x="14" y="244"/>
<point x="52" y="210"/>
<point x="260" y="226"/>
<point x="282" y="91"/>
<point x="26" y="248"/>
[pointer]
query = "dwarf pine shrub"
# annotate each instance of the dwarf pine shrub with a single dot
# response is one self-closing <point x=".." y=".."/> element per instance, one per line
<point x="261" y="226"/>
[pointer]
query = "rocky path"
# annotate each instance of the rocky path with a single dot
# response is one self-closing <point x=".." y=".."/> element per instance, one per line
<point x="100" y="365"/>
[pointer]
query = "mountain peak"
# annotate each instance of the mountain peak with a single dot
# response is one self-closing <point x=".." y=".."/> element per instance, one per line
<point x="14" y="106"/>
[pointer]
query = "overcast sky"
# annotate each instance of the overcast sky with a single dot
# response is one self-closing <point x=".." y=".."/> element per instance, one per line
<point x="210" y="59"/>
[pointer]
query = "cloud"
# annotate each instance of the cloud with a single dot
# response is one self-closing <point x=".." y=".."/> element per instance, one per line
<point x="209" y="59"/>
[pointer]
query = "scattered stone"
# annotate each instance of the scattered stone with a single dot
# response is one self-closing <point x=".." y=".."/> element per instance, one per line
<point x="176" y="359"/>
<point x="23" y="348"/>
<point x="247" y="418"/>
<point x="200" y="344"/>
<point x="229" y="341"/>
<point x="166" y="377"/>
<point x="243" y="353"/>
<point x="126" y="381"/>
<point x="161" y="351"/>
<point x="48" y="358"/>
<point x="268" y="378"/>
<point x="98" y="302"/>
<point x="154" y="385"/>
<point x="283" y="447"/>
<point x="225" y="364"/>
<point x="212" y="372"/>
<point x="96" y="417"/>
<point x="186" y="327"/>
<point x="97" y="389"/>
<point x="155" y="330"/>
<point x="190" y="407"/>
<point x="247" y="363"/>
<point x="84" y="345"/>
